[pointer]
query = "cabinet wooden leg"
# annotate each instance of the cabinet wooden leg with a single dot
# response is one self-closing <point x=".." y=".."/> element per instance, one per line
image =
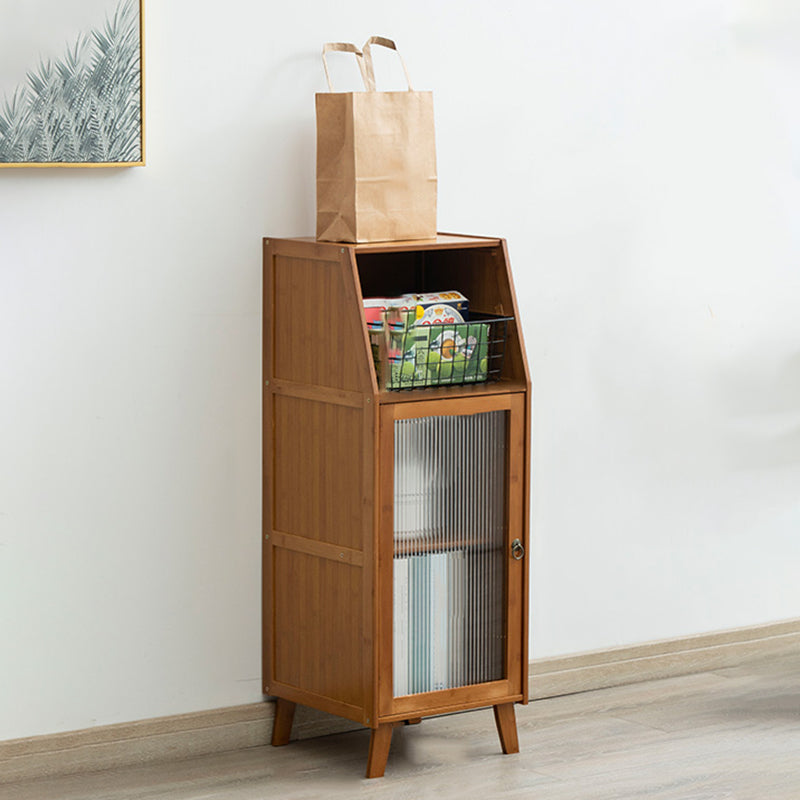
<point x="379" y="744"/>
<point x="282" y="726"/>
<point x="507" y="727"/>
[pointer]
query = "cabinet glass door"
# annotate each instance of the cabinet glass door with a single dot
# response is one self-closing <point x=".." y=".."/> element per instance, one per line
<point x="449" y="547"/>
<point x="456" y="588"/>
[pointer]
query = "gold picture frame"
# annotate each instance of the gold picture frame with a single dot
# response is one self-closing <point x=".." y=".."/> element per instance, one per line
<point x="80" y="105"/>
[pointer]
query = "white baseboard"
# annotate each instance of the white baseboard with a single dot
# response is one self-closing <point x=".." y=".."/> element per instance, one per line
<point x="583" y="672"/>
<point x="219" y="730"/>
<point x="155" y="740"/>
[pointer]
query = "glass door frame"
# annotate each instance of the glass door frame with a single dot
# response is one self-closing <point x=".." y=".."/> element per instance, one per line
<point x="509" y="688"/>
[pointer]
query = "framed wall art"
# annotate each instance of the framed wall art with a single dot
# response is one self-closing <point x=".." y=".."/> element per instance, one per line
<point x="72" y="83"/>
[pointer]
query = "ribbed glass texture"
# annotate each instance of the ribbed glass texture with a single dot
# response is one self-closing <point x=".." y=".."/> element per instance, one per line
<point x="449" y="521"/>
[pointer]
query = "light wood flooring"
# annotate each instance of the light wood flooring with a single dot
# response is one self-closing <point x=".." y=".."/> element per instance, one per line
<point x="731" y="733"/>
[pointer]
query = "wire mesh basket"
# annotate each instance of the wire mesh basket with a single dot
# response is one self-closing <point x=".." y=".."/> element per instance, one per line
<point x="413" y="356"/>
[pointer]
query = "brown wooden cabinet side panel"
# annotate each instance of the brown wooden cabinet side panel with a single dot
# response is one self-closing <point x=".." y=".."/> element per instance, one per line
<point x="318" y="626"/>
<point x="317" y="332"/>
<point x="266" y="465"/>
<point x="318" y="468"/>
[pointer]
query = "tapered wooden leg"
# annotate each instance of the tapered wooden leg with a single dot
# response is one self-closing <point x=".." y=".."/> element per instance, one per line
<point x="379" y="744"/>
<point x="507" y="727"/>
<point x="282" y="727"/>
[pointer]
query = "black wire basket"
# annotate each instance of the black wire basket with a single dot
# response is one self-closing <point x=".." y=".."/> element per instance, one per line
<point x="413" y="356"/>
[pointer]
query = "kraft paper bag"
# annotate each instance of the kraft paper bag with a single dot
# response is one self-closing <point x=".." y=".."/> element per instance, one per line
<point x="376" y="159"/>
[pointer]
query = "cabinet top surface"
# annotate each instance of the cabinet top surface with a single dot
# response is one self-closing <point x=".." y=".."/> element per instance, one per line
<point x="442" y="241"/>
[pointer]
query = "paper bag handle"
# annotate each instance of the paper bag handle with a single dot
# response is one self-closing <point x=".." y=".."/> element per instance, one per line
<point x="370" y="73"/>
<point x="344" y="47"/>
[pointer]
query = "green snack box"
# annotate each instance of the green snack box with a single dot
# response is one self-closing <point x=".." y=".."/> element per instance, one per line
<point x="434" y="355"/>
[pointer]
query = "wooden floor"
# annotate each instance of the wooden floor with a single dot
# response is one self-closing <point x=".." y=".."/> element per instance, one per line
<point x="733" y="733"/>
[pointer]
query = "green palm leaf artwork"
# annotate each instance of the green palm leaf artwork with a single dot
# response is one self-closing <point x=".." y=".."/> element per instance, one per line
<point x="84" y="107"/>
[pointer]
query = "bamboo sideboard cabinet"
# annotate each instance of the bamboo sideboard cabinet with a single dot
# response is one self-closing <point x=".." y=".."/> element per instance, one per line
<point x="395" y="520"/>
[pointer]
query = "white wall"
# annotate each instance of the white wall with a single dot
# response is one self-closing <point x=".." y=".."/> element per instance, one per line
<point x="641" y="158"/>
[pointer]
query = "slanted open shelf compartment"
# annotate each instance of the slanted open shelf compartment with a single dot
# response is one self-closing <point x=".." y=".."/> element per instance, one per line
<point x="475" y="266"/>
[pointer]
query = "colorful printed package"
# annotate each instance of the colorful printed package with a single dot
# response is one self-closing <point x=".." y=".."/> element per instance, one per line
<point x="441" y="307"/>
<point x="437" y="355"/>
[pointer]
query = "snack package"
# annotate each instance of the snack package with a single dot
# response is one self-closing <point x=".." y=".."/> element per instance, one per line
<point x="441" y="307"/>
<point x="375" y="308"/>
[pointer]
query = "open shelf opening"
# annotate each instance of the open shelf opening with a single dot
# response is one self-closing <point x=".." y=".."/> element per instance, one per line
<point x="478" y="273"/>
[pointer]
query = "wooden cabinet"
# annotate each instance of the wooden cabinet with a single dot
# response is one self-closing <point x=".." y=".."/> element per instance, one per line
<point x="395" y="521"/>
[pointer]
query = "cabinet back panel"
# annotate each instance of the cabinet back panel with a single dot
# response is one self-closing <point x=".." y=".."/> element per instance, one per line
<point x="317" y="328"/>
<point x="318" y="471"/>
<point x="474" y="272"/>
<point x="388" y="274"/>
<point x="318" y="626"/>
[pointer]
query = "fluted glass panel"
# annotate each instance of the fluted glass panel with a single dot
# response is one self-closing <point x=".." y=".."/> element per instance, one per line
<point x="449" y="524"/>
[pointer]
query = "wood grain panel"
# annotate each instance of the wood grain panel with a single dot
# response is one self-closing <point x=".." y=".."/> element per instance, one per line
<point x="318" y="471"/>
<point x="317" y="330"/>
<point x="388" y="274"/>
<point x="320" y="549"/>
<point x="318" y="626"/>
<point x="307" y="700"/>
